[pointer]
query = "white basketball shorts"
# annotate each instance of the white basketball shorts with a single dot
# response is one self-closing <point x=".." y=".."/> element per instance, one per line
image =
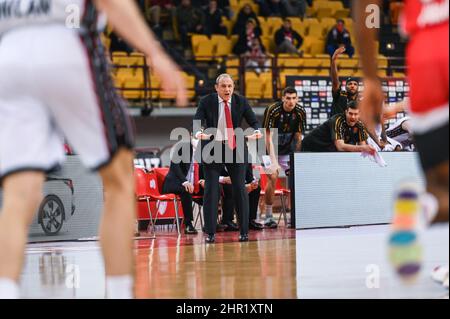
<point x="55" y="84"/>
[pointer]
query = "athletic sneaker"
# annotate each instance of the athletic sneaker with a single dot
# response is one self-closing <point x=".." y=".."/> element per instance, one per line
<point x="405" y="250"/>
<point x="270" y="223"/>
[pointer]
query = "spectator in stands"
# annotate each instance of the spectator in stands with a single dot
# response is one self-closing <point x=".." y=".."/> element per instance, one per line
<point x="296" y="8"/>
<point x="273" y="8"/>
<point x="245" y="14"/>
<point x="339" y="37"/>
<point x="246" y="36"/>
<point x="228" y="204"/>
<point x="190" y="20"/>
<point x="183" y="180"/>
<point x="153" y="11"/>
<point x="287" y="39"/>
<point x="256" y="57"/>
<point x="224" y="5"/>
<point x="341" y="97"/>
<point x="341" y="133"/>
<point x="213" y="20"/>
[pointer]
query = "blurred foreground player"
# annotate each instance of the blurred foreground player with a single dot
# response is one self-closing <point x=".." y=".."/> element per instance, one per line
<point x="54" y="78"/>
<point x="426" y="23"/>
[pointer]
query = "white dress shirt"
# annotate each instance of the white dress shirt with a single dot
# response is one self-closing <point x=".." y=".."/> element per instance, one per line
<point x="222" y="134"/>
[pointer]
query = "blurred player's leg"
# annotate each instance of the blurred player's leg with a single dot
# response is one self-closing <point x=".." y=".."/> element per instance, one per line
<point x="22" y="194"/>
<point x="117" y="227"/>
<point x="405" y="249"/>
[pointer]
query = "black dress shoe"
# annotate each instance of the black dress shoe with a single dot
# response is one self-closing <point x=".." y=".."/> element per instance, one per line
<point x="190" y="230"/>
<point x="255" y="226"/>
<point x="211" y="239"/>
<point x="243" y="238"/>
<point x="231" y="226"/>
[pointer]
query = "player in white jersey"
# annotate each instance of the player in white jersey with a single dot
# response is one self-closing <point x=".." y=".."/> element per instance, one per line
<point x="55" y="82"/>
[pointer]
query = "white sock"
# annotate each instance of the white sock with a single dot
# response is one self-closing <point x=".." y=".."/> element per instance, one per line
<point x="9" y="289"/>
<point x="119" y="287"/>
<point x="430" y="207"/>
<point x="269" y="212"/>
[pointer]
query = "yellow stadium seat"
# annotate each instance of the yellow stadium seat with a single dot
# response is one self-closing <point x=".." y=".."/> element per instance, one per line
<point x="359" y="74"/>
<point x="234" y="39"/>
<point x="155" y="82"/>
<point x="326" y="61"/>
<point x="399" y="75"/>
<point x="317" y="47"/>
<point x="119" y="53"/>
<point x="383" y="63"/>
<point x="293" y="63"/>
<point x="286" y="73"/>
<point x="346" y="72"/>
<point x="189" y="79"/>
<point x="316" y="30"/>
<point x="274" y="23"/>
<point x="269" y="44"/>
<point x="382" y="73"/>
<point x="228" y="24"/>
<point x="265" y="26"/>
<point x="232" y="66"/>
<point x="204" y="51"/>
<point x="328" y="23"/>
<point x="341" y="13"/>
<point x="253" y="88"/>
<point x="139" y="75"/>
<point x="266" y="78"/>
<point x="323" y="72"/>
<point x="308" y="72"/>
<point x="347" y="63"/>
<point x="137" y="93"/>
<point x="324" y="12"/>
<point x="308" y="21"/>
<point x="167" y="96"/>
<point x="348" y="22"/>
<point x="222" y="45"/>
<point x="196" y="39"/>
<point x="299" y="26"/>
<point x="126" y="74"/>
<point x="118" y="82"/>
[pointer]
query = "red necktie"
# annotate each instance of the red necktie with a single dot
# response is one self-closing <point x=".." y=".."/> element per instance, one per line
<point x="196" y="179"/>
<point x="230" y="129"/>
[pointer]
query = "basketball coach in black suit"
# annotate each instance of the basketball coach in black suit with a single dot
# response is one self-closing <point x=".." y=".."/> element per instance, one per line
<point x="219" y="114"/>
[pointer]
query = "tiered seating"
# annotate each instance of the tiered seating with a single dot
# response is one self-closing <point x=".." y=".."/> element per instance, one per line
<point x="258" y="86"/>
<point x="325" y="8"/>
<point x="130" y="80"/>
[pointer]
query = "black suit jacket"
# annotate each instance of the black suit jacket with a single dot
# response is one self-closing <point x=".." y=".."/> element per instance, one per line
<point x="248" y="173"/>
<point x="208" y="113"/>
<point x="178" y="171"/>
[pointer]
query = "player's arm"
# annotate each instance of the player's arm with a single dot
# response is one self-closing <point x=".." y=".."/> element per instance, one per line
<point x="391" y="111"/>
<point x="341" y="146"/>
<point x="267" y="125"/>
<point x="336" y="85"/>
<point x="298" y="142"/>
<point x="127" y="21"/>
<point x="371" y="105"/>
<point x="271" y="149"/>
<point x="375" y="138"/>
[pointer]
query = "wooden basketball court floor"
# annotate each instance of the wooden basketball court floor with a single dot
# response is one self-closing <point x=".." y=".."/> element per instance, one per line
<point x="283" y="263"/>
